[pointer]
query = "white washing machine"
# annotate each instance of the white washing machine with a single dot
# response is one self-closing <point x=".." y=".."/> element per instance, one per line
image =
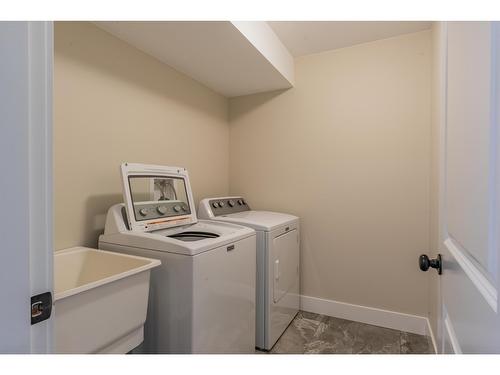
<point x="202" y="297"/>
<point x="278" y="257"/>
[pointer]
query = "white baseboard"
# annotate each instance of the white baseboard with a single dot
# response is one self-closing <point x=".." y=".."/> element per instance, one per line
<point x="370" y="315"/>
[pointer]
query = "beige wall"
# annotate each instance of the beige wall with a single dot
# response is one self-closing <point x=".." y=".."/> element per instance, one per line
<point x="112" y="104"/>
<point x="348" y="150"/>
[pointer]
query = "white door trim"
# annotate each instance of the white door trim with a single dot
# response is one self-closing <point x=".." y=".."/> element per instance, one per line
<point x="440" y="104"/>
<point x="475" y="274"/>
<point x="40" y="53"/>
<point x="430" y="333"/>
<point x="451" y="335"/>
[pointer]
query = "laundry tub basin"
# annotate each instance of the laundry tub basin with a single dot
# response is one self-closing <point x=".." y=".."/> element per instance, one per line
<point x="100" y="301"/>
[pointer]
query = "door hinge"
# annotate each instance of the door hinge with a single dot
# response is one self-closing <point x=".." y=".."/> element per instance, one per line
<point x="41" y="307"/>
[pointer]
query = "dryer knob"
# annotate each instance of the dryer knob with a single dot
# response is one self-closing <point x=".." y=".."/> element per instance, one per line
<point x="221" y="204"/>
<point x="240" y="202"/>
<point x="177" y="208"/>
<point x="215" y="205"/>
<point x="143" y="211"/>
<point x="231" y="203"/>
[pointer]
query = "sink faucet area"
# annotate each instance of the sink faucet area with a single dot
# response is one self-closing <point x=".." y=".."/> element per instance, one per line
<point x="101" y="300"/>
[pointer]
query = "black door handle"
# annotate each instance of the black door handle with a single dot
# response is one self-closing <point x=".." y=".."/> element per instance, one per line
<point x="424" y="263"/>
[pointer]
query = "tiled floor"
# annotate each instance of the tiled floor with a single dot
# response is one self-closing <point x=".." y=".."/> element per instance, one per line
<point x="313" y="333"/>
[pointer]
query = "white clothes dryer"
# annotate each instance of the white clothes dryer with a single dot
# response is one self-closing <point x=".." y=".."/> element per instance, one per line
<point x="278" y="259"/>
<point x="202" y="297"/>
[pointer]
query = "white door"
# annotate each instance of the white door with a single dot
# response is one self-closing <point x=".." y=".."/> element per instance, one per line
<point x="25" y="182"/>
<point x="470" y="190"/>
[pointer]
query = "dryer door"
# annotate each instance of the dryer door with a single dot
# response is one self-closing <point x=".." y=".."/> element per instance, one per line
<point x="286" y="263"/>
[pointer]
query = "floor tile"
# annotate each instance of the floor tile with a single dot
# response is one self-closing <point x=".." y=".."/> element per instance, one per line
<point x="415" y="344"/>
<point x="339" y="333"/>
<point x="299" y="332"/>
<point x="376" y="340"/>
<point x="311" y="333"/>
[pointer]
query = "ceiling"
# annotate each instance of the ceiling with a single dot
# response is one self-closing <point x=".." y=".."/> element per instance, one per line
<point x="246" y="57"/>
<point x="306" y="37"/>
<point x="231" y="58"/>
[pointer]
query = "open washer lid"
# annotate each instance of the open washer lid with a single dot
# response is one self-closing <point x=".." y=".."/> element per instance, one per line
<point x="157" y="197"/>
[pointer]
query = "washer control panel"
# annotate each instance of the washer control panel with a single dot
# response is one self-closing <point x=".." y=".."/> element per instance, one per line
<point x="226" y="206"/>
<point x="160" y="209"/>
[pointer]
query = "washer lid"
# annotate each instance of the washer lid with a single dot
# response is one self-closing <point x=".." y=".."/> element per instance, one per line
<point x="259" y="220"/>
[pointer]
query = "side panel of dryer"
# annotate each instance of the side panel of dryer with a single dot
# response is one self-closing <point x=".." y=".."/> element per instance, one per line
<point x="224" y="299"/>
<point x="168" y="327"/>
<point x="261" y="323"/>
<point x="284" y="280"/>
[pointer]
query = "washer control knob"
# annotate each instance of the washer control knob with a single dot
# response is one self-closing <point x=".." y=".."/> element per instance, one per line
<point x="215" y="204"/>
<point x="162" y="210"/>
<point x="230" y="203"/>
<point x="221" y="204"/>
<point x="240" y="202"/>
<point x="184" y="207"/>
<point x="143" y="211"/>
<point x="243" y="201"/>
<point x="177" y="208"/>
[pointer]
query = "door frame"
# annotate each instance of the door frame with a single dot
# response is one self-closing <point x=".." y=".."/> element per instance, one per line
<point x="41" y="59"/>
<point x="440" y="117"/>
<point x="26" y="150"/>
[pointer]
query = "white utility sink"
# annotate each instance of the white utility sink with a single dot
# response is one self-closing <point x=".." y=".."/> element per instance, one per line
<point x="100" y="301"/>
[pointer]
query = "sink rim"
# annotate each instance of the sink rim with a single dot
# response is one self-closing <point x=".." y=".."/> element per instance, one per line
<point x="151" y="263"/>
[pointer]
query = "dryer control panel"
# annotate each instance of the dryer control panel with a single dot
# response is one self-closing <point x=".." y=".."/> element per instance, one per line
<point x="227" y="205"/>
